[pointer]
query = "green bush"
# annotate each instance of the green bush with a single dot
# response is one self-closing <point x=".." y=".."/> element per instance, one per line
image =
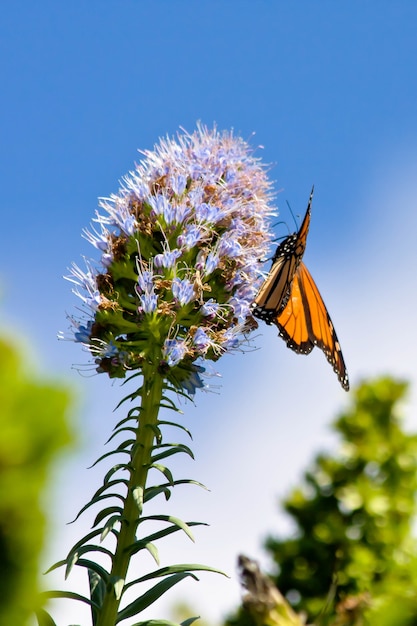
<point x="353" y="556"/>
<point x="33" y="429"/>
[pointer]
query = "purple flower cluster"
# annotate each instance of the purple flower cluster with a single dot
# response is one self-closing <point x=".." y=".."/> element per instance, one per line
<point x="181" y="246"/>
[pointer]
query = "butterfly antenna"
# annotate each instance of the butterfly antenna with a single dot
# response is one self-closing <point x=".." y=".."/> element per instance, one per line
<point x="293" y="216"/>
<point x="281" y="222"/>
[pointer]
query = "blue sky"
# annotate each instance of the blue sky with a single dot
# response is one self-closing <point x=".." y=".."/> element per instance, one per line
<point x="330" y="91"/>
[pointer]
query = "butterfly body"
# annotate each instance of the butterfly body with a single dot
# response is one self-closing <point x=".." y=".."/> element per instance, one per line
<point x="290" y="299"/>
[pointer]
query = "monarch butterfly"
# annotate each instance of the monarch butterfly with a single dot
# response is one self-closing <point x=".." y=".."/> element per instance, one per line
<point x="290" y="299"/>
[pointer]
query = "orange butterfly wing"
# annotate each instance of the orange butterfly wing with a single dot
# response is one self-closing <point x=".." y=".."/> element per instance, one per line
<point x="304" y="323"/>
<point x="290" y="299"/>
<point x="275" y="290"/>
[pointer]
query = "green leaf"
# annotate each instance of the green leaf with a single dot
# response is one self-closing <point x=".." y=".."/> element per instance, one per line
<point x="164" y="422"/>
<point x="114" y="469"/>
<point x="180" y="392"/>
<point x="157" y="432"/>
<point x="163" y="622"/>
<point x="131" y="397"/>
<point x="131" y="429"/>
<point x="189" y="621"/>
<point x="141" y="544"/>
<point x="130" y="417"/>
<point x="111" y="522"/>
<point x="73" y="557"/>
<point x="76" y="548"/>
<point x="95" y="501"/>
<point x="107" y="485"/>
<point x="175" y="521"/>
<point x="69" y="595"/>
<point x="168" y="403"/>
<point x="81" y="542"/>
<point x="137" y="494"/>
<point x="92" y="547"/>
<point x="56" y="566"/>
<point x="165" y="471"/>
<point x="97" y="592"/>
<point x="148" y="598"/>
<point x="173" y="448"/>
<point x="118" y="587"/>
<point x="152" y="492"/>
<point x="108" y="511"/>
<point x="105" y="456"/>
<point x="183" y="481"/>
<point x="71" y="560"/>
<point x="153" y="551"/>
<point x="44" y="619"/>
<point x="179" y="568"/>
<point x="95" y="567"/>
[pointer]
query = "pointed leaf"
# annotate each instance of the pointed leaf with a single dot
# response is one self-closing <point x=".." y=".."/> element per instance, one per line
<point x="132" y="397"/>
<point x="79" y="548"/>
<point x="165" y="488"/>
<point x="172" y="448"/>
<point x="95" y="567"/>
<point x="157" y="432"/>
<point x="165" y="422"/>
<point x="180" y="568"/>
<point x="99" y="499"/>
<point x="152" y="492"/>
<point x="44" y="619"/>
<point x="73" y="557"/>
<point x="118" y="586"/>
<point x="130" y="417"/>
<point x="69" y="595"/>
<point x="114" y="469"/>
<point x="176" y="521"/>
<point x="97" y="592"/>
<point x="104" y="456"/>
<point x="141" y="544"/>
<point x="87" y="537"/>
<point x="148" y="598"/>
<point x="108" y="511"/>
<point x="71" y="560"/>
<point x="92" y="547"/>
<point x="163" y="622"/>
<point x="76" y="547"/>
<point x="165" y="471"/>
<point x="56" y="565"/>
<point x="179" y="392"/>
<point x="137" y="494"/>
<point x="189" y="621"/>
<point x="153" y="551"/>
<point x="116" y="432"/>
<point x="111" y="483"/>
<point x="155" y="490"/>
<point x="111" y="522"/>
<point x="168" y="403"/>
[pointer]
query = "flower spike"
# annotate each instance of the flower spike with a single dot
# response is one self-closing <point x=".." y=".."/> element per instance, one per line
<point x="180" y="248"/>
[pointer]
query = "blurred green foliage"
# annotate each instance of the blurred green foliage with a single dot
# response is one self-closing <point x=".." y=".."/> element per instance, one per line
<point x="33" y="429"/>
<point x="353" y="557"/>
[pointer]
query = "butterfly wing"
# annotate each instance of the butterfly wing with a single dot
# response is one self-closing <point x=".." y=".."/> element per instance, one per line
<point x="290" y="299"/>
<point x="275" y="291"/>
<point x="304" y="322"/>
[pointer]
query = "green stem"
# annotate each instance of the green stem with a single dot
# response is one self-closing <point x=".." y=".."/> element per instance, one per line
<point x="152" y="389"/>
